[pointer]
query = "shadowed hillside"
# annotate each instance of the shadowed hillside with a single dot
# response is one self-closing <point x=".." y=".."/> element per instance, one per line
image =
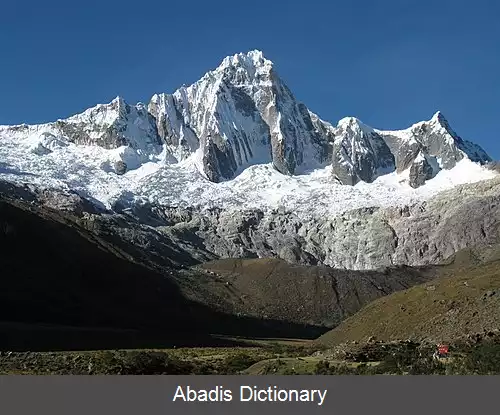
<point x="64" y="288"/>
<point x="307" y="294"/>
<point x="65" y="285"/>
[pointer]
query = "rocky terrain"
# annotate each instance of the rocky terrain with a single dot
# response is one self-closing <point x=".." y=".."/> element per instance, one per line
<point x="368" y="238"/>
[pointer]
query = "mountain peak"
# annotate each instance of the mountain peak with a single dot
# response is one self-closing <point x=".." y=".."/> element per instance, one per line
<point x="438" y="115"/>
<point x="253" y="59"/>
<point x="118" y="100"/>
<point x="348" y="120"/>
<point x="354" y="124"/>
<point x="439" y="120"/>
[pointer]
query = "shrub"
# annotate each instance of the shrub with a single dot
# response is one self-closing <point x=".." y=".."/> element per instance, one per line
<point x="481" y="359"/>
<point x="322" y="368"/>
<point x="239" y="362"/>
<point x="413" y="361"/>
<point x="152" y="363"/>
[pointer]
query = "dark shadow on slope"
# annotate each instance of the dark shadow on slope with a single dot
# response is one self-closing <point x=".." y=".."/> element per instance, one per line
<point x="56" y="274"/>
<point x="304" y="294"/>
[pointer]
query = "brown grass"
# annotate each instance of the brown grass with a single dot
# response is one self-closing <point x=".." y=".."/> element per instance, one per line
<point x="463" y="300"/>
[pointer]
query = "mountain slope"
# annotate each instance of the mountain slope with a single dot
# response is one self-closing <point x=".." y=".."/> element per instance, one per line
<point x="422" y="233"/>
<point x="309" y="294"/>
<point x="66" y="285"/>
<point x="464" y="300"/>
<point x="71" y="268"/>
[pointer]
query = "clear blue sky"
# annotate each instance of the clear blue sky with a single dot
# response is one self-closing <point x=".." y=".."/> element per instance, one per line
<point x="389" y="63"/>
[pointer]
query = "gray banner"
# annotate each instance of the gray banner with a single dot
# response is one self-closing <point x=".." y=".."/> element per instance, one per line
<point x="127" y="395"/>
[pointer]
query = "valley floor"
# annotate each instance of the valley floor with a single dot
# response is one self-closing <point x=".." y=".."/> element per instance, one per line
<point x="265" y="357"/>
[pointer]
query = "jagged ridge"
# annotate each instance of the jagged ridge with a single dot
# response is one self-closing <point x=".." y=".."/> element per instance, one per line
<point x="242" y="114"/>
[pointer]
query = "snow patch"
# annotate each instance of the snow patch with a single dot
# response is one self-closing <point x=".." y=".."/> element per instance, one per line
<point x="45" y="143"/>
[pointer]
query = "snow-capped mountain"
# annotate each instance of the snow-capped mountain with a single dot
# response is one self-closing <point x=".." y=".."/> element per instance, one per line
<point x="431" y="144"/>
<point x="106" y="125"/>
<point x="192" y="147"/>
<point x="238" y="115"/>
<point x="362" y="153"/>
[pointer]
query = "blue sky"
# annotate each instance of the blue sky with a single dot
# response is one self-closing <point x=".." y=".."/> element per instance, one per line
<point x="389" y="62"/>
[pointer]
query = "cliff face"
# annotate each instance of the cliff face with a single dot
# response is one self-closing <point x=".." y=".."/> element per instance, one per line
<point x="366" y="238"/>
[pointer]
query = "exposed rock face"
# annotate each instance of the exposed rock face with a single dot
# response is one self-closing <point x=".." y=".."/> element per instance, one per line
<point x="359" y="153"/>
<point x="404" y="151"/>
<point x="241" y="114"/>
<point x="368" y="238"/>
<point x="120" y="167"/>
<point x="421" y="170"/>
<point x="435" y="139"/>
